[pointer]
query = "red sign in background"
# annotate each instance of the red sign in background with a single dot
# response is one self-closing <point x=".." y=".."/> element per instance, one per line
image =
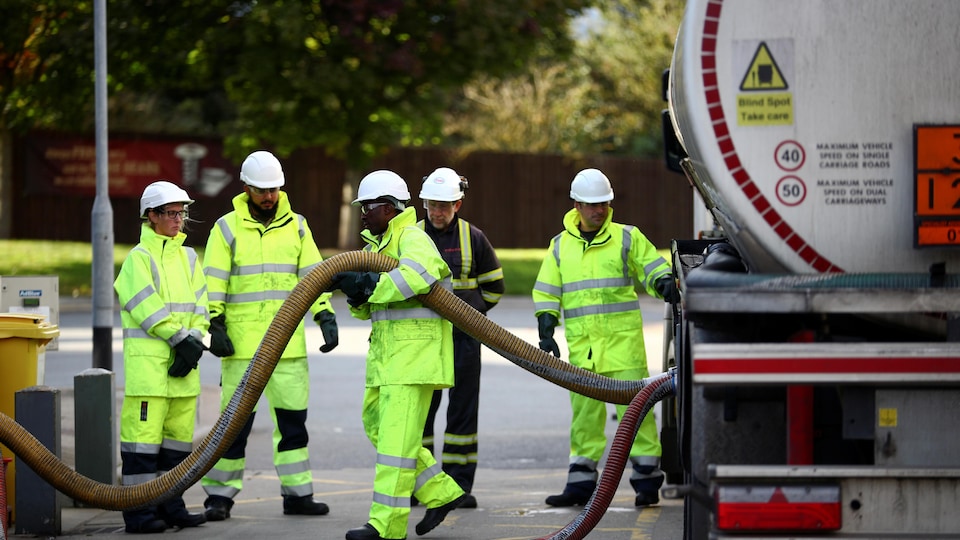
<point x="66" y="165"/>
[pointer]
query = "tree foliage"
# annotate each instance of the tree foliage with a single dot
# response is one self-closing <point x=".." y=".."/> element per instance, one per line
<point x="353" y="76"/>
<point x="605" y="98"/>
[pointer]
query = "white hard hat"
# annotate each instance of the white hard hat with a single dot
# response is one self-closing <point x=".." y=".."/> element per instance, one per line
<point x="160" y="193"/>
<point x="261" y="169"/>
<point x="383" y="184"/>
<point x="443" y="184"/>
<point x="591" y="186"/>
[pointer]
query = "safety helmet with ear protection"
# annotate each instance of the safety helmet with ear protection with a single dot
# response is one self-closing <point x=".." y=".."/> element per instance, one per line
<point x="443" y="184"/>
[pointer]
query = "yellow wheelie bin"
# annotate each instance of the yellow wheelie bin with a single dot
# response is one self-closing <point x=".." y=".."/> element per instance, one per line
<point x="23" y="341"/>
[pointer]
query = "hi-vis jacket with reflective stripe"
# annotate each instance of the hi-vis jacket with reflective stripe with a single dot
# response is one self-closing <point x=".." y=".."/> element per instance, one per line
<point x="251" y="269"/>
<point x="409" y="343"/>
<point x="476" y="271"/>
<point x="163" y="298"/>
<point x="594" y="282"/>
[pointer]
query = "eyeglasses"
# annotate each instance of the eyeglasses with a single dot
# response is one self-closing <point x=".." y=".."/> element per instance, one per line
<point x="173" y="214"/>
<point x="366" y="208"/>
<point x="264" y="191"/>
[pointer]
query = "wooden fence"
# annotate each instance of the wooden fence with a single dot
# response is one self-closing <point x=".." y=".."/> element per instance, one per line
<point x="518" y="200"/>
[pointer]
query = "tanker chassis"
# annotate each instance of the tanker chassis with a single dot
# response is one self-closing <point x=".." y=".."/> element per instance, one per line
<point x="817" y="342"/>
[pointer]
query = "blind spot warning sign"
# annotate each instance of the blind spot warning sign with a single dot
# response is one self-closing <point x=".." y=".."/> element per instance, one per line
<point x="763" y="72"/>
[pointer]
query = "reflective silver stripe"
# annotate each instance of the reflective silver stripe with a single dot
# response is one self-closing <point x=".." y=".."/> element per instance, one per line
<point x="138" y="298"/>
<point x="221" y="491"/>
<point x="140" y="448"/>
<point x="217" y="273"/>
<point x="134" y="479"/>
<point x="179" y="446"/>
<point x="393" y="502"/>
<point x="619" y="307"/>
<point x="419" y="269"/>
<point x="397" y="461"/>
<point x="428" y="441"/>
<point x="256" y="296"/>
<point x="581" y="476"/>
<point x="300" y="229"/>
<point x="302" y="273"/>
<point x="460" y="440"/>
<point x="426" y="475"/>
<point x="222" y="476"/>
<point x="649" y="461"/>
<point x="466" y="255"/>
<point x="547" y="288"/>
<point x="191" y="257"/>
<point x="625" y="250"/>
<point x="397" y="278"/>
<point x="154" y="318"/>
<point x="654" y="265"/>
<point x="297" y="491"/>
<point x="178" y="337"/>
<point x="657" y="473"/>
<point x="154" y="271"/>
<point x="137" y="333"/>
<point x="546" y="306"/>
<point x="602" y="283"/>
<point x="257" y="269"/>
<point x="293" y="468"/>
<point x="403" y="314"/>
<point x="491" y="276"/>
<point x="228" y="236"/>
<point x="217" y="297"/>
<point x="490" y="297"/>
<point x="468" y="283"/>
<point x="182" y="307"/>
<point x="556" y="248"/>
<point x="458" y="459"/>
<point x="583" y="462"/>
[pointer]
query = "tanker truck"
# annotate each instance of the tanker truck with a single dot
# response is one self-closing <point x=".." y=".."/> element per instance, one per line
<point x="817" y="341"/>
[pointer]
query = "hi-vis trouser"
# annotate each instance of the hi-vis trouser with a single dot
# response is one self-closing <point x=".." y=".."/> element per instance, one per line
<point x="588" y="441"/>
<point x="287" y="392"/>
<point x="393" y="417"/>
<point x="460" y="440"/>
<point x="156" y="434"/>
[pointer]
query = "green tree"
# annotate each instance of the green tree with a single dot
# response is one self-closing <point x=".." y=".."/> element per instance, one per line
<point x="355" y="77"/>
<point x="605" y="98"/>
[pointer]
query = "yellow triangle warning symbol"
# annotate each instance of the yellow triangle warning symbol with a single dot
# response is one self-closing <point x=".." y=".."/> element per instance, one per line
<point x="763" y="73"/>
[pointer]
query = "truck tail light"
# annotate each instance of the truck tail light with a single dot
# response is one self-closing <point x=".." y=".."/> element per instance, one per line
<point x="778" y="508"/>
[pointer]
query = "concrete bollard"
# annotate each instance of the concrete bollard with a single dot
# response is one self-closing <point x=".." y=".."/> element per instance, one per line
<point x="95" y="421"/>
<point x="38" y="411"/>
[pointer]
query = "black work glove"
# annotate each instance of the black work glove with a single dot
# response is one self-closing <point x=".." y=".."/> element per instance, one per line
<point x="667" y="288"/>
<point x="220" y="344"/>
<point x="546" y="322"/>
<point x="358" y="286"/>
<point x="328" y="325"/>
<point x="186" y="355"/>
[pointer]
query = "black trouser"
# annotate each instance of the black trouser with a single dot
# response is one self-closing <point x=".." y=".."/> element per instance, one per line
<point x="459" y="458"/>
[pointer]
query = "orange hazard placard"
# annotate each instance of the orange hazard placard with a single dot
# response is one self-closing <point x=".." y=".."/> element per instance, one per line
<point x="938" y="194"/>
<point x="938" y="233"/>
<point x="938" y="147"/>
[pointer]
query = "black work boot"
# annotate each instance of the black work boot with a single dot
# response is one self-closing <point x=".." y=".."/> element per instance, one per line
<point x="174" y="513"/>
<point x="304" y="506"/>
<point x="143" y="521"/>
<point x="567" y="499"/>
<point x="217" y="508"/>
<point x="434" y="516"/>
